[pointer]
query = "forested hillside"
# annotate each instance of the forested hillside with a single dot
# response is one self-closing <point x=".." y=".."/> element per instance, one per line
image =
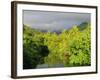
<point x="70" y="47"/>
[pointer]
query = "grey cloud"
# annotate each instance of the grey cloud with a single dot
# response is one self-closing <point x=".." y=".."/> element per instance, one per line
<point x="54" y="20"/>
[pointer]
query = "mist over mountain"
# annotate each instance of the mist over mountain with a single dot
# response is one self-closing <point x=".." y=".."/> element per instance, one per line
<point x="81" y="27"/>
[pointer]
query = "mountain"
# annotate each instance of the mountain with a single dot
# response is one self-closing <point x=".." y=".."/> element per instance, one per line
<point x="83" y="25"/>
<point x="29" y="30"/>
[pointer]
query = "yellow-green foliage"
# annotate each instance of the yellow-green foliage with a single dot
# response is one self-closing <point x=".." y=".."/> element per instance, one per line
<point x="70" y="47"/>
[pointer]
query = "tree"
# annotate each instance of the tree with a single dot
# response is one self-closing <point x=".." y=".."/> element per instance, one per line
<point x="80" y="48"/>
<point x="70" y="47"/>
<point x="34" y="49"/>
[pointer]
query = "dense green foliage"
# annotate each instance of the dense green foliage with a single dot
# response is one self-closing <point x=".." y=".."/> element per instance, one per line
<point x="70" y="47"/>
<point x="33" y="48"/>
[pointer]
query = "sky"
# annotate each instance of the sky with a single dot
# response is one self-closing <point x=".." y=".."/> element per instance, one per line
<point x="53" y="21"/>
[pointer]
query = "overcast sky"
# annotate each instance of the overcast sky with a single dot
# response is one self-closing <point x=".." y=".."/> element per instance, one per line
<point x="47" y="20"/>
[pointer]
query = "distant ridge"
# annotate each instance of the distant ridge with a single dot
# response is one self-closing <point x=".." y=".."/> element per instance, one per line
<point x="83" y="26"/>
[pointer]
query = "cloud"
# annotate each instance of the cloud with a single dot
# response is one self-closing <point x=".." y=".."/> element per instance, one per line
<point x="47" y="20"/>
